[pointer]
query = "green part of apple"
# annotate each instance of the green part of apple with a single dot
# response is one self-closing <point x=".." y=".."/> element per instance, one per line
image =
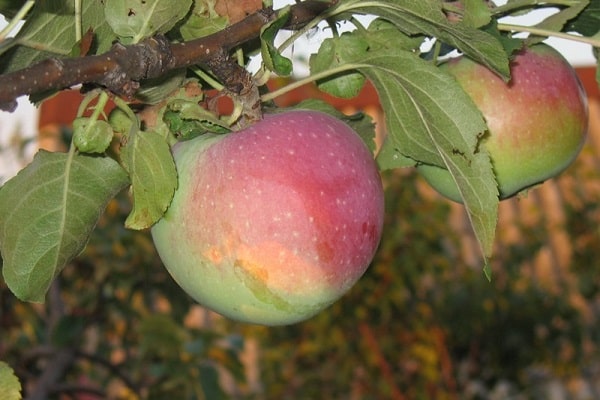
<point x="537" y="122"/>
<point x="274" y="223"/>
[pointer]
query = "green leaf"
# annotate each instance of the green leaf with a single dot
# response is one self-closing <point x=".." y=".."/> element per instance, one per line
<point x="9" y="8"/>
<point x="587" y="22"/>
<point x="153" y="91"/>
<point x="135" y="20"/>
<point x="477" y="13"/>
<point x="333" y="53"/>
<point x="202" y="21"/>
<point x="430" y="119"/>
<point x="425" y="17"/>
<point x="148" y="159"/>
<point x="186" y="119"/>
<point x="510" y="44"/>
<point x="47" y="213"/>
<point x="198" y="26"/>
<point x="272" y="59"/>
<point x="10" y="387"/>
<point x="122" y="121"/>
<point x="49" y="31"/>
<point x="556" y="22"/>
<point x="91" y="136"/>
<point x="382" y="34"/>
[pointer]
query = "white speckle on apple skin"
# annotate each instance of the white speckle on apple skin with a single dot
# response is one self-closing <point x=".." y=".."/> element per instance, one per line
<point x="281" y="232"/>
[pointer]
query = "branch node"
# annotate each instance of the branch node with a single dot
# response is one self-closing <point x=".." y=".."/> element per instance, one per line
<point x="150" y="58"/>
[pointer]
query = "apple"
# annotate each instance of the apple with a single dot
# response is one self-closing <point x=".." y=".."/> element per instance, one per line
<point x="537" y="123"/>
<point x="273" y="223"/>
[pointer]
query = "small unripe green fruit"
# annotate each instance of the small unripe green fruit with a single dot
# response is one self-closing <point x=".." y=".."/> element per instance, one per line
<point x="537" y="122"/>
<point x="273" y="223"/>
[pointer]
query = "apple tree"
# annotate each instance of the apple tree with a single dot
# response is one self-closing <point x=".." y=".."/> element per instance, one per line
<point x="264" y="214"/>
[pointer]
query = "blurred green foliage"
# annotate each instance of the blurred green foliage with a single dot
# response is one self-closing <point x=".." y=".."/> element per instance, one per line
<point x="122" y="317"/>
<point x="421" y="323"/>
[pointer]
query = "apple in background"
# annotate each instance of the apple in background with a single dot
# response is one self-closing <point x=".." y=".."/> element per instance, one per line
<point x="537" y="122"/>
<point x="272" y="224"/>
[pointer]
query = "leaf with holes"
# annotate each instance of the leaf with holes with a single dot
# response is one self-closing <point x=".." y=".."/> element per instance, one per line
<point x="47" y="213"/>
<point x="135" y="20"/>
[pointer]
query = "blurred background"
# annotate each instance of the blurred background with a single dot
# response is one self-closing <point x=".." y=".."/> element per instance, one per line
<point x="423" y="323"/>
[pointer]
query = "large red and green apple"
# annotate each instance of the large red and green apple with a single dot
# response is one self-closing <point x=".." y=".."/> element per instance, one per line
<point x="537" y="123"/>
<point x="273" y="223"/>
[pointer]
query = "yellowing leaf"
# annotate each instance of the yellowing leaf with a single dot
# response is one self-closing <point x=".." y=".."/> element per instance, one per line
<point x="10" y="387"/>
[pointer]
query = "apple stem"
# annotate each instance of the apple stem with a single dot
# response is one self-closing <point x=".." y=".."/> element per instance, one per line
<point x="548" y="33"/>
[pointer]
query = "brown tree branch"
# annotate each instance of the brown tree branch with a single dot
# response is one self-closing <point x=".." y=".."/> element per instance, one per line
<point x="121" y="68"/>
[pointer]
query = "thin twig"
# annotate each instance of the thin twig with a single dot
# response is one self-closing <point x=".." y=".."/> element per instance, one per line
<point x="122" y="67"/>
